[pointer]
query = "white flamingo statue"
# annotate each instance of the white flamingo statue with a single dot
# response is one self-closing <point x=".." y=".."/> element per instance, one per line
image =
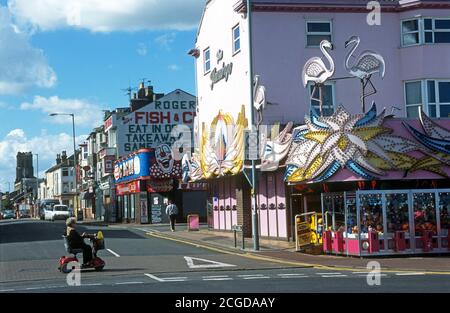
<point x="259" y="100"/>
<point x="366" y="64"/>
<point x="315" y="71"/>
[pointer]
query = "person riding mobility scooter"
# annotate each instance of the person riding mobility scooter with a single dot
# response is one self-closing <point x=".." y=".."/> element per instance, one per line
<point x="74" y="244"/>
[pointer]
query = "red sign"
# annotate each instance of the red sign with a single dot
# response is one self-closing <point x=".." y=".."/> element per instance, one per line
<point x="108" y="124"/>
<point x="128" y="188"/>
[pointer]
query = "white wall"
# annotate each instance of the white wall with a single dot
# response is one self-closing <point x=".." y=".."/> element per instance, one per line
<point x="216" y="33"/>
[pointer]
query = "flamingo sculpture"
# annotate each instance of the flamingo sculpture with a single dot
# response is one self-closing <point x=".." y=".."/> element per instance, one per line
<point x="315" y="71"/>
<point x="367" y="64"/>
<point x="259" y="100"/>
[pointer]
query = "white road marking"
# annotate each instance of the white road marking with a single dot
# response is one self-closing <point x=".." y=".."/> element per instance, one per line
<point x="216" y="279"/>
<point x="154" y="277"/>
<point x="7" y="290"/>
<point x="219" y="276"/>
<point x="256" y="277"/>
<point x="331" y="276"/>
<point x="35" y="288"/>
<point x="168" y="279"/>
<point x="252" y="275"/>
<point x="89" y="285"/>
<point x="212" y="264"/>
<point x="409" y="274"/>
<point x="130" y="283"/>
<point x="113" y="253"/>
<point x="329" y="273"/>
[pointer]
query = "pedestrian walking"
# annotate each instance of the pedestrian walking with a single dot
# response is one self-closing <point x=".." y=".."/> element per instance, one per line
<point x="172" y="211"/>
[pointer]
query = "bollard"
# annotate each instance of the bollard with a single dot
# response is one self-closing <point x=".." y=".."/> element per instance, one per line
<point x="399" y="241"/>
<point x="327" y="241"/>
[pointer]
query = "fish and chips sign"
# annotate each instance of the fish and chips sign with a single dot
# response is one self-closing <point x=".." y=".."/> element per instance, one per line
<point x="151" y="126"/>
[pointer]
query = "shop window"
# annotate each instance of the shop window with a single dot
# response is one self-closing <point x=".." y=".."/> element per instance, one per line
<point x="397" y="212"/>
<point x="444" y="210"/>
<point x="207" y="60"/>
<point x="371" y="213"/>
<point x="317" y="31"/>
<point x="424" y="206"/>
<point x="328" y="99"/>
<point x="236" y="39"/>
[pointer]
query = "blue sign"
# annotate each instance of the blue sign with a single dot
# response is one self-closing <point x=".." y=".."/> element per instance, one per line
<point x="135" y="166"/>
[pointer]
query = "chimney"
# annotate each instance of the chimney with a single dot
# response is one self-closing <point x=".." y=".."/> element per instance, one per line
<point x="64" y="157"/>
<point x="58" y="159"/>
<point x="141" y="91"/>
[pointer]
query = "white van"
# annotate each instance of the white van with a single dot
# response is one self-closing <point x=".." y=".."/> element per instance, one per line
<point x="57" y="212"/>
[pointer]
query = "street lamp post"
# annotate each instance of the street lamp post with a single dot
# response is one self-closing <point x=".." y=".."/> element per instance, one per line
<point x="36" y="210"/>
<point x="255" y="228"/>
<point x="74" y="155"/>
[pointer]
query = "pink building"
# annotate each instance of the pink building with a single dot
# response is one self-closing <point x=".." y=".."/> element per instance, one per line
<point x="413" y="36"/>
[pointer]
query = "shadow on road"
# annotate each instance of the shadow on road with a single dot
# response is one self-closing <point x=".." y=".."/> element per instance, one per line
<point x="46" y="231"/>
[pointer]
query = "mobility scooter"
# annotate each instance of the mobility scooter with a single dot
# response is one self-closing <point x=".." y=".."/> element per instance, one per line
<point x="98" y="243"/>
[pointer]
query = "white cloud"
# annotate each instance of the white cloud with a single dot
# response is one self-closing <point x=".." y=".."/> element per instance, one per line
<point x="174" y="67"/>
<point x="86" y="113"/>
<point x="166" y="40"/>
<point x="47" y="146"/>
<point x="142" y="49"/>
<point x="21" y="65"/>
<point x="108" y="16"/>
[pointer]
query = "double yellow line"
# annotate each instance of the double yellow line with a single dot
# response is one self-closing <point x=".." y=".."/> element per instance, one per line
<point x="253" y="256"/>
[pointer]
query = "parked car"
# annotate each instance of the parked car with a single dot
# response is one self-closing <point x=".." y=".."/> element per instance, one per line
<point x="57" y="212"/>
<point x="24" y="214"/>
<point x="9" y="215"/>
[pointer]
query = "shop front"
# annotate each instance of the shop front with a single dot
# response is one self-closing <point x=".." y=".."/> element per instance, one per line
<point x="378" y="186"/>
<point x="221" y="164"/>
<point x="147" y="180"/>
<point x="380" y="222"/>
<point x="131" y="174"/>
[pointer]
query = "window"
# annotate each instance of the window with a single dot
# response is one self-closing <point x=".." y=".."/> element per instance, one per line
<point x="328" y="99"/>
<point x="207" y="60"/>
<point x="316" y="32"/>
<point x="425" y="31"/>
<point x="432" y="95"/>
<point x="413" y="95"/>
<point x="410" y="33"/>
<point x="65" y="172"/>
<point x="236" y="39"/>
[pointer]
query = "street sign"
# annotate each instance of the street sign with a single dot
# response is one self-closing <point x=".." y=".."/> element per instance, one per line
<point x="251" y="145"/>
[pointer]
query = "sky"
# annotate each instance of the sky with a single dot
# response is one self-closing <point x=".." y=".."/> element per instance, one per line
<point x="77" y="56"/>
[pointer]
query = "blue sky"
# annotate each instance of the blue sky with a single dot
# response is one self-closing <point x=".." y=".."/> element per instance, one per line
<point x="48" y="64"/>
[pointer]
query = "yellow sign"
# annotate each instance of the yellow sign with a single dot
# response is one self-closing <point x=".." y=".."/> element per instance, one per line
<point x="303" y="234"/>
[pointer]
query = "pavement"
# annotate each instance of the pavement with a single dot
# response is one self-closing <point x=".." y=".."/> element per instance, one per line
<point x="152" y="259"/>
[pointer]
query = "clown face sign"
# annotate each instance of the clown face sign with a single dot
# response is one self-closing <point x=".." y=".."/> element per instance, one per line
<point x="164" y="158"/>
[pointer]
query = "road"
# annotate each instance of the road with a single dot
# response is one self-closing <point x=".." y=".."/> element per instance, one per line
<point x="136" y="262"/>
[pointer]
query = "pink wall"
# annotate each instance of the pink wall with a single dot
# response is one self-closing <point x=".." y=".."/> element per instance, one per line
<point x="279" y="45"/>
